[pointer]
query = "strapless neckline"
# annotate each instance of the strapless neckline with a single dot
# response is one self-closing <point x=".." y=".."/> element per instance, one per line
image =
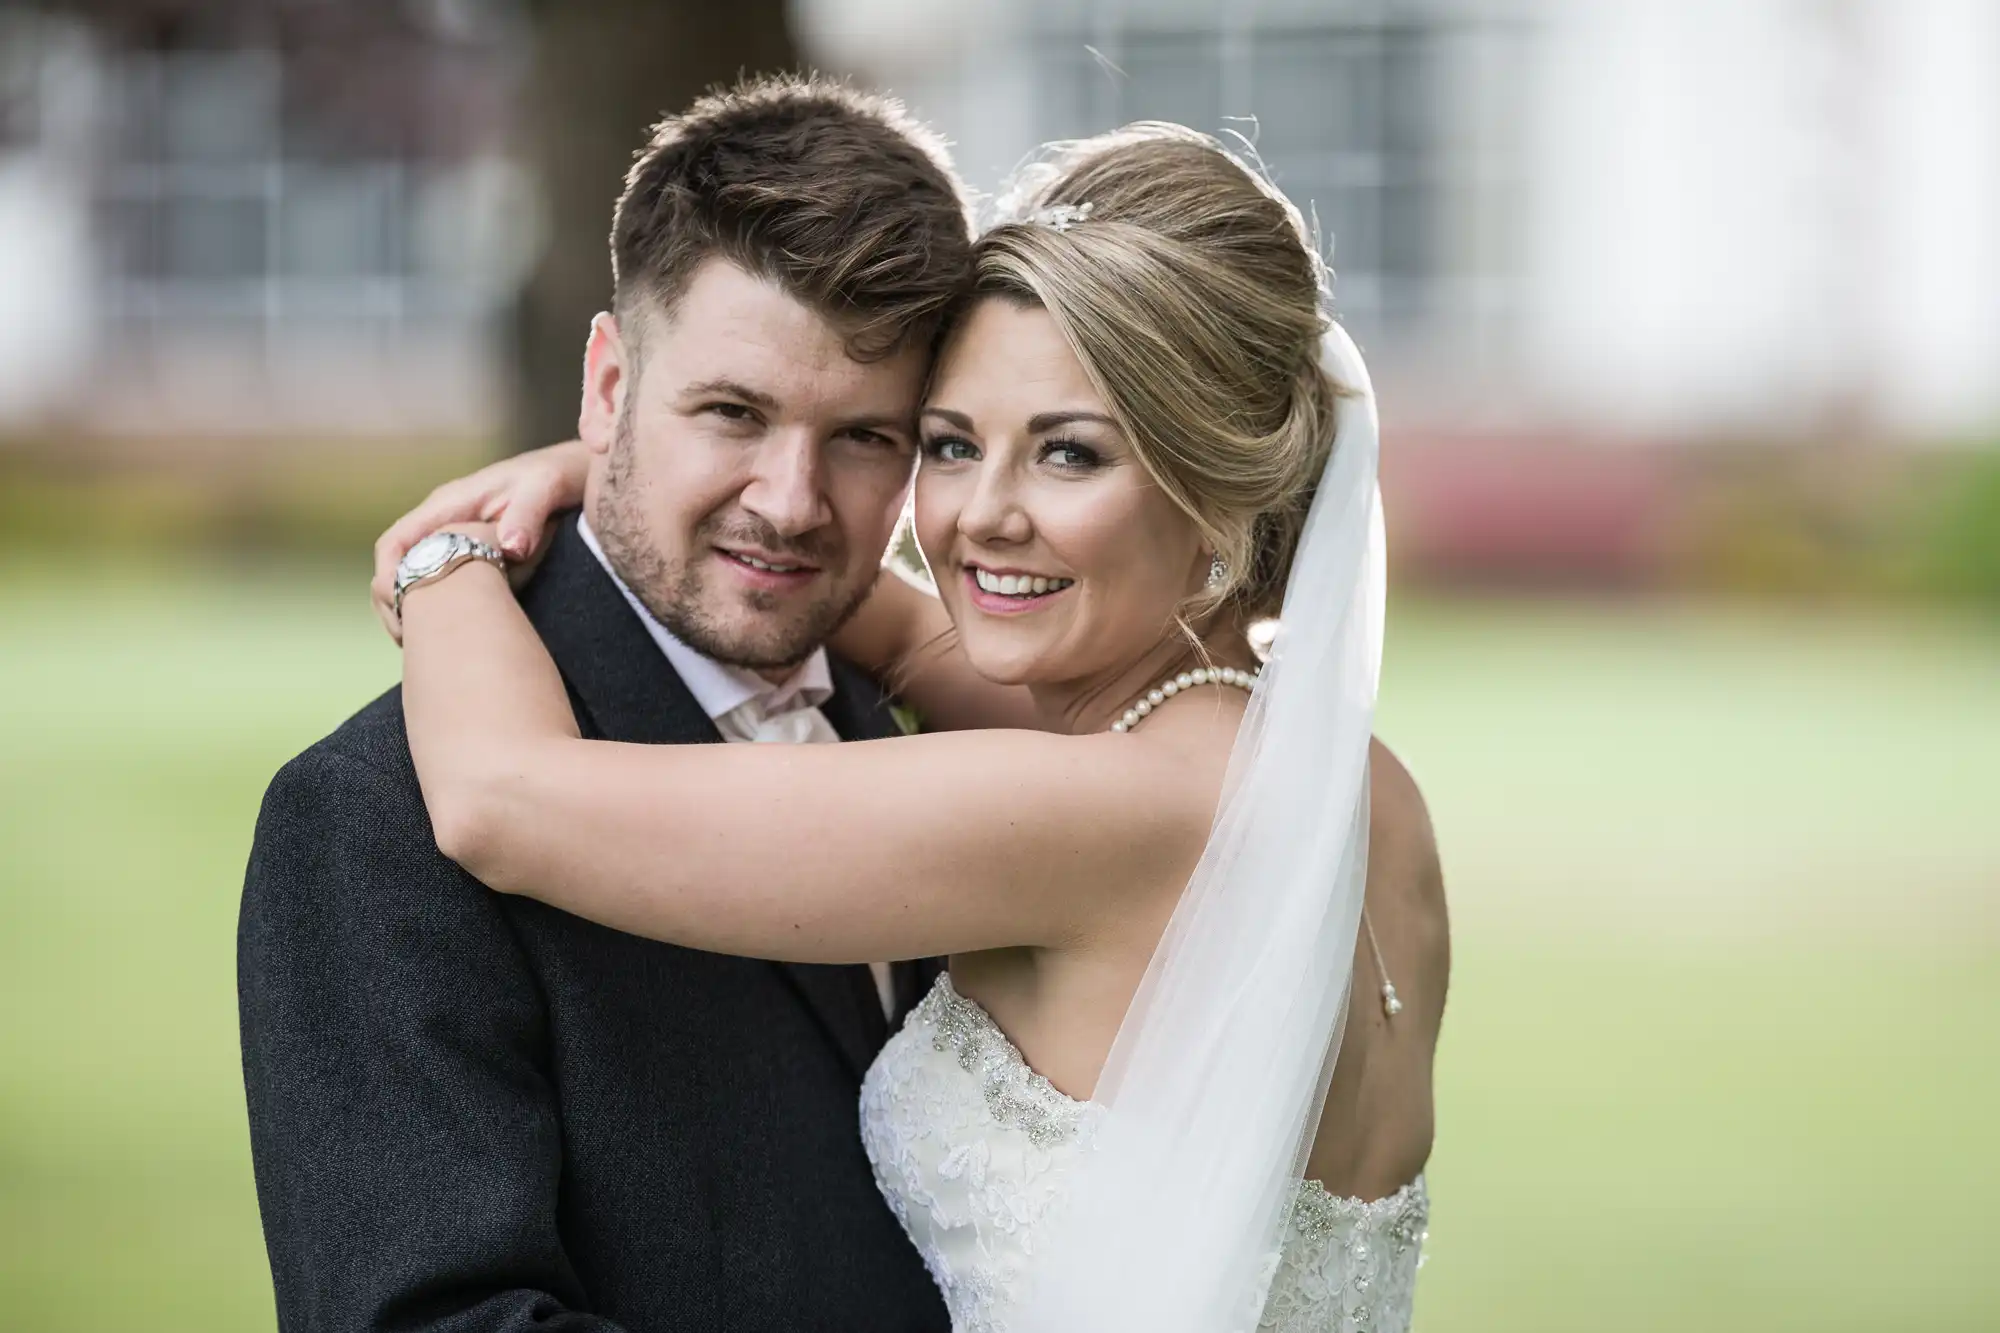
<point x="972" y="1148"/>
<point x="1026" y="1097"/>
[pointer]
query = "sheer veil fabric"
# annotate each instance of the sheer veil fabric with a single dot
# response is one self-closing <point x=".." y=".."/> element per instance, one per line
<point x="1216" y="1079"/>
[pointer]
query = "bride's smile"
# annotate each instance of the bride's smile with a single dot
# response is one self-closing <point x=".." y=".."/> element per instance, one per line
<point x="1027" y="476"/>
<point x="1022" y="590"/>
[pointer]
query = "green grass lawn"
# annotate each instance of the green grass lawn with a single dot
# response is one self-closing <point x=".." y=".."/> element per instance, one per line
<point x="1721" y="1045"/>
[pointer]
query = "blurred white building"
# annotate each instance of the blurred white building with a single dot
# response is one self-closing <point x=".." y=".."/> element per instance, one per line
<point x="1619" y="217"/>
<point x="1627" y="216"/>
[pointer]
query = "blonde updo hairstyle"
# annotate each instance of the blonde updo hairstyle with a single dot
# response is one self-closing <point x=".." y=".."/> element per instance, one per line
<point x="1191" y="293"/>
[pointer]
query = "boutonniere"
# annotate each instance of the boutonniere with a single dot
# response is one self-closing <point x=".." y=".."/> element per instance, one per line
<point x="907" y="720"/>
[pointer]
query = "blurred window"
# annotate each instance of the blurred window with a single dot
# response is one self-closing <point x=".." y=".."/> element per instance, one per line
<point x="341" y="221"/>
<point x="1348" y="111"/>
<point x="222" y="195"/>
<point x="20" y="72"/>
<point x="219" y="108"/>
<point x="1174" y="76"/>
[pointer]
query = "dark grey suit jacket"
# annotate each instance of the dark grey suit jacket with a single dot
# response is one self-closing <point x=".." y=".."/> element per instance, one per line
<point x="469" y="1111"/>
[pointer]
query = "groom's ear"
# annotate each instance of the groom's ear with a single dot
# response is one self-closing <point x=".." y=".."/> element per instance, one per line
<point x="606" y="376"/>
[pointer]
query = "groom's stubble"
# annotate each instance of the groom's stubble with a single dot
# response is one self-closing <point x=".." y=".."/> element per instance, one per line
<point x="679" y="595"/>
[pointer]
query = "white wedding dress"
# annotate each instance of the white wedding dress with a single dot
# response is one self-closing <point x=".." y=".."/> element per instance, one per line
<point x="973" y="1151"/>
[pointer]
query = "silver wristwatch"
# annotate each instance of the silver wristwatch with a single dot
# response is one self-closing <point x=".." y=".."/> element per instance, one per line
<point x="436" y="556"/>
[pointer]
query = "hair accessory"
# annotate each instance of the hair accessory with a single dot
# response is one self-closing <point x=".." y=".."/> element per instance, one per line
<point x="1061" y="216"/>
<point x="1218" y="571"/>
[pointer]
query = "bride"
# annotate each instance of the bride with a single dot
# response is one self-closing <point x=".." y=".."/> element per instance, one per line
<point x="1151" y="1091"/>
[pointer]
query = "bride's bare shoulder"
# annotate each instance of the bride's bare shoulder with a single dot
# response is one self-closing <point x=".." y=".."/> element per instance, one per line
<point x="1400" y="834"/>
<point x="1406" y="896"/>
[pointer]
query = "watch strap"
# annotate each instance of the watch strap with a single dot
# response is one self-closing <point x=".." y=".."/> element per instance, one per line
<point x="464" y="548"/>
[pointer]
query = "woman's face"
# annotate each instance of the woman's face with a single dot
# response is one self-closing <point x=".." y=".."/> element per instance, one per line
<point x="1055" y="553"/>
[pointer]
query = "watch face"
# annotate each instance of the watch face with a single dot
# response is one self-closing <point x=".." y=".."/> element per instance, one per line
<point x="427" y="555"/>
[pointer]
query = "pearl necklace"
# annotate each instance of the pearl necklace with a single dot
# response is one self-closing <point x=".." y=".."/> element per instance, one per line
<point x="1187" y="680"/>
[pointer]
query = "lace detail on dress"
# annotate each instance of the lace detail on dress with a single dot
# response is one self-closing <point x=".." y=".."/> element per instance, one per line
<point x="971" y="1148"/>
<point x="1017" y="1096"/>
<point x="1348" y="1265"/>
<point x="968" y="1145"/>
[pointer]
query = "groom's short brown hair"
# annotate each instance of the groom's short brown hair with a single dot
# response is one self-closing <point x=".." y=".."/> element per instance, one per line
<point x="837" y="196"/>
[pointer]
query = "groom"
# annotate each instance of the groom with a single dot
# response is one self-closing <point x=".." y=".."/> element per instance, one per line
<point x="473" y="1112"/>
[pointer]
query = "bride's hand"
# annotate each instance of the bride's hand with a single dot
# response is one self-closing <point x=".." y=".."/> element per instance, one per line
<point x="518" y="495"/>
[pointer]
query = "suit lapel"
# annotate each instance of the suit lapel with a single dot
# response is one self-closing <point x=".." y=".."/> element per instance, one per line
<point x="625" y="690"/>
<point x="623" y="682"/>
<point x="858" y="710"/>
<point x="844" y="994"/>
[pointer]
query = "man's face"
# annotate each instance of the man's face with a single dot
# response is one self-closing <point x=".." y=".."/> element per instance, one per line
<point x="748" y="472"/>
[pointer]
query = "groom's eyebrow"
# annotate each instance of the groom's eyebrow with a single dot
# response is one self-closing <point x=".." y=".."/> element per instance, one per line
<point x="901" y="424"/>
<point x="731" y="389"/>
<point x="727" y="388"/>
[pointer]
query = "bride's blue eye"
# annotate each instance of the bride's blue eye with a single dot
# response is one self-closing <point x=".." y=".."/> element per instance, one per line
<point x="1070" y="456"/>
<point x="950" y="449"/>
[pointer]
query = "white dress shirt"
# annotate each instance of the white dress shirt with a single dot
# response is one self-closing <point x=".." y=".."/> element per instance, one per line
<point x="743" y="705"/>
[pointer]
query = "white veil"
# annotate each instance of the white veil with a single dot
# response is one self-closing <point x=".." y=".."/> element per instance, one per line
<point x="1215" y="1082"/>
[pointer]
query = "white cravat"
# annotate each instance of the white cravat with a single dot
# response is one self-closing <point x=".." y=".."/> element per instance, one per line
<point x="746" y="707"/>
<point x="784" y="718"/>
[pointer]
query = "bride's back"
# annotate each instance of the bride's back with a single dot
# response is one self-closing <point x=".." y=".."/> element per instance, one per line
<point x="976" y="1115"/>
<point x="1061" y="1007"/>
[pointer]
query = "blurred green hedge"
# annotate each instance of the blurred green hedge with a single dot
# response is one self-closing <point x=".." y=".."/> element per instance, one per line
<point x="1786" y="521"/>
<point x="1837" y="522"/>
<point x="320" y="498"/>
<point x="1960" y="544"/>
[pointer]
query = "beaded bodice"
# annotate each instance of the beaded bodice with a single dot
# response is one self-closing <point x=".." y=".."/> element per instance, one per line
<point x="971" y="1147"/>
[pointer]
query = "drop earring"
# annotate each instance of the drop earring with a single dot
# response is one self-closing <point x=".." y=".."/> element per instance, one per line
<point x="1218" y="571"/>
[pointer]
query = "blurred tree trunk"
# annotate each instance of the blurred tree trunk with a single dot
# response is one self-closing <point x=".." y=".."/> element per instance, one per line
<point x="605" y="70"/>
